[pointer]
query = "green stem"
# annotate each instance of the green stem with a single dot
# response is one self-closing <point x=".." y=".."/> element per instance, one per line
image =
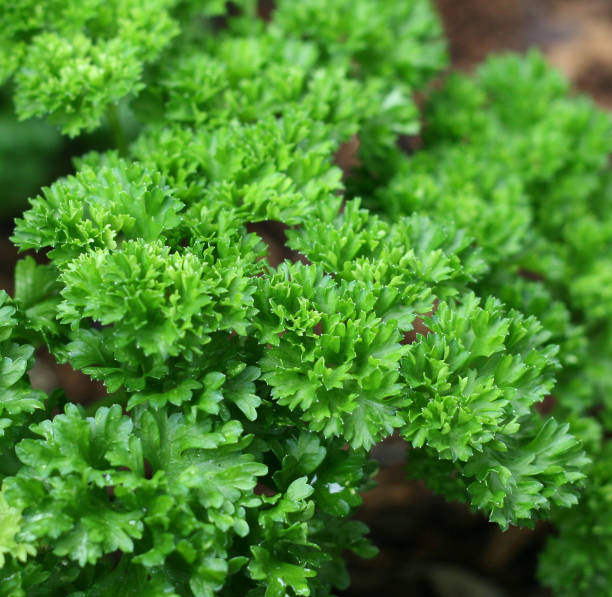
<point x="118" y="133"/>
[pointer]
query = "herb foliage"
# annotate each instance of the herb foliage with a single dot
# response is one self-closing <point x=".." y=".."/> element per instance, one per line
<point x="242" y="399"/>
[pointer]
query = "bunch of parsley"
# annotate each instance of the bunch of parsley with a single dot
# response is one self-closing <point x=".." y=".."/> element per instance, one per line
<point x="242" y="400"/>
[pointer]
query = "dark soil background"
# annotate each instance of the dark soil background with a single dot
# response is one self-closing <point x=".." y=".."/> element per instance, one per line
<point x="429" y="548"/>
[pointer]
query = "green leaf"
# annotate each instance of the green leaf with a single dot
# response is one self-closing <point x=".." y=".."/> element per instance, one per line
<point x="279" y="575"/>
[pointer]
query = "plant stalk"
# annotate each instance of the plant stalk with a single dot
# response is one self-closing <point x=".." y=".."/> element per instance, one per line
<point x="117" y="129"/>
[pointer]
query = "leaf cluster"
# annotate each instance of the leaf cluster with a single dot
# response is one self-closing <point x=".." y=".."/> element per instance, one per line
<point x="231" y="447"/>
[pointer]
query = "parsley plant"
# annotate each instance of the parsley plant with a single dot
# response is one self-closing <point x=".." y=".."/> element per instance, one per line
<point x="232" y="446"/>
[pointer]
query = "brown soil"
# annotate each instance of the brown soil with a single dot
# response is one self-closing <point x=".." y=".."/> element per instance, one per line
<point x="575" y="36"/>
